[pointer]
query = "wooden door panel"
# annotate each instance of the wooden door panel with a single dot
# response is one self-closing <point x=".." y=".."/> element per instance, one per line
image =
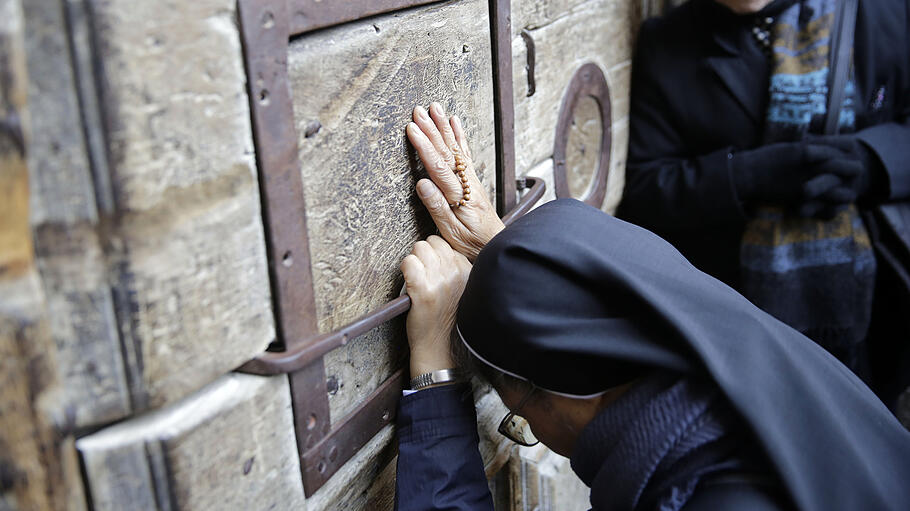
<point x="149" y="235"/>
<point x="228" y="446"/>
<point x="158" y="241"/>
<point x="558" y="38"/>
<point x="358" y="82"/>
<point x="353" y="87"/>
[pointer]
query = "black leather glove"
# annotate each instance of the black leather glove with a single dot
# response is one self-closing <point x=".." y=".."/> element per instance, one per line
<point x="795" y="173"/>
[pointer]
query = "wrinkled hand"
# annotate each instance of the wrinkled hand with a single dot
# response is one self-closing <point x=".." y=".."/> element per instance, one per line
<point x="435" y="276"/>
<point x="469" y="227"/>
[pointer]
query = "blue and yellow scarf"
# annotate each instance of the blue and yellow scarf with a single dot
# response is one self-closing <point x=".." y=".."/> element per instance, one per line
<point x="817" y="276"/>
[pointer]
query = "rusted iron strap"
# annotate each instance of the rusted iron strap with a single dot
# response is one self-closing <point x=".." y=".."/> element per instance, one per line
<point x="264" y="30"/>
<point x="537" y="188"/>
<point x="279" y="362"/>
<point x="307" y="15"/>
<point x="503" y="103"/>
<point x="303" y="354"/>
<point x="320" y="461"/>
<point x="310" y="403"/>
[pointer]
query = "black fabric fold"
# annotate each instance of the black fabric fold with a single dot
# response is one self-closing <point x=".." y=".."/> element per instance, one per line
<point x="578" y="302"/>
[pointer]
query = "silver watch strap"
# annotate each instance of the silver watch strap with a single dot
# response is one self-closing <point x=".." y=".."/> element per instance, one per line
<point x="435" y="378"/>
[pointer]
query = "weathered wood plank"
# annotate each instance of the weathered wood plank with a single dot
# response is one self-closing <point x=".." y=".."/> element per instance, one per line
<point x="353" y="89"/>
<point x="531" y="14"/>
<point x="354" y="371"/>
<point x="15" y="239"/>
<point x="185" y="239"/>
<point x="38" y="465"/>
<point x="37" y="462"/>
<point x="60" y="173"/>
<point x="543" y="480"/>
<point x="367" y="481"/>
<point x="230" y="445"/>
<point x="65" y="220"/>
<point x="494" y="448"/>
<point x="564" y="36"/>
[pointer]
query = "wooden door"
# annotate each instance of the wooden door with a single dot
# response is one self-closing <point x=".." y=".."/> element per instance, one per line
<point x="221" y="176"/>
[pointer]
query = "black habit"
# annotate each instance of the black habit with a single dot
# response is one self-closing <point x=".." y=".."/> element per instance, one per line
<point x="577" y="302"/>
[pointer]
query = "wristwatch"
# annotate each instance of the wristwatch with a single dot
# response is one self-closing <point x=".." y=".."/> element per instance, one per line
<point x="435" y="378"/>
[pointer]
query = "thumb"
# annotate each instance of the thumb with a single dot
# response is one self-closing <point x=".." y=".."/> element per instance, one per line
<point x="435" y="202"/>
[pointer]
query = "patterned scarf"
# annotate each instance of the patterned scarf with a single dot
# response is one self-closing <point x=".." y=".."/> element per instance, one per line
<point x="817" y="276"/>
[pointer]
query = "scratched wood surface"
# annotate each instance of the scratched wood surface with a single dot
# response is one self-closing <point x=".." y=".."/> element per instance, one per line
<point x="228" y="446"/>
<point x="151" y="255"/>
<point x="564" y="35"/>
<point x="153" y="251"/>
<point x="353" y="89"/>
<point x="38" y="466"/>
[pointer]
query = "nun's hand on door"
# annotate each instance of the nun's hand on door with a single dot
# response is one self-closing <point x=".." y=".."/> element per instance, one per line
<point x="467" y="227"/>
<point x="435" y="276"/>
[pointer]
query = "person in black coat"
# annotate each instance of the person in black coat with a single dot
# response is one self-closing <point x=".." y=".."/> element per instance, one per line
<point x="703" y="162"/>
<point x="666" y="388"/>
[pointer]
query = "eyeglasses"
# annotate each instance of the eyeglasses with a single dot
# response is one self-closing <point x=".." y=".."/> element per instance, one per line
<point x="516" y="428"/>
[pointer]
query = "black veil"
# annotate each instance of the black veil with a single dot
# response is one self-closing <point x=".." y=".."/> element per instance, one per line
<point x="577" y="302"/>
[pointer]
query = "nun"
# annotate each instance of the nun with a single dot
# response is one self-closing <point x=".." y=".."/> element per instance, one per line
<point x="666" y="388"/>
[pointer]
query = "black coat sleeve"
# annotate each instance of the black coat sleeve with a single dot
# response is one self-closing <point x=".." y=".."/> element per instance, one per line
<point x="439" y="465"/>
<point x="668" y="189"/>
<point x="891" y="140"/>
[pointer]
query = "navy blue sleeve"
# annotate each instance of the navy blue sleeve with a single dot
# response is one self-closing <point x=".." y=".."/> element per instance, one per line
<point x="891" y="141"/>
<point x="439" y="465"/>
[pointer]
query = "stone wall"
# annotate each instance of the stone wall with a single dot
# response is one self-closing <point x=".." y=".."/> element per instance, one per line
<point x="148" y="283"/>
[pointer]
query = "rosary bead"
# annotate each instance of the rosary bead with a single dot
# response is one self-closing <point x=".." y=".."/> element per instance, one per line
<point x="460" y="168"/>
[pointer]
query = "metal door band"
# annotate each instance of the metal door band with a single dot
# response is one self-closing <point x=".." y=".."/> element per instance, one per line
<point x="266" y="29"/>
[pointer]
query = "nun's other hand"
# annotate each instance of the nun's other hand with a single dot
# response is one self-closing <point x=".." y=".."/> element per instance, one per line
<point x="435" y="276"/>
<point x="469" y="227"/>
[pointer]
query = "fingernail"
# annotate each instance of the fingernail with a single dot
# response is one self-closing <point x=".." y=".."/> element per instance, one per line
<point x="421" y="112"/>
<point x="436" y="107"/>
<point x="424" y="189"/>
